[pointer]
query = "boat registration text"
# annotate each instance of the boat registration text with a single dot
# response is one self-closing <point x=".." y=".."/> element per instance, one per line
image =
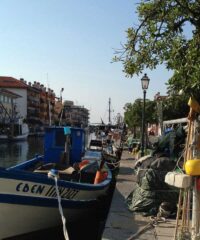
<point x="49" y="191"/>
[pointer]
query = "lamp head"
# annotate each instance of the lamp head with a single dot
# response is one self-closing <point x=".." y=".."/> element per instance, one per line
<point x="145" y="82"/>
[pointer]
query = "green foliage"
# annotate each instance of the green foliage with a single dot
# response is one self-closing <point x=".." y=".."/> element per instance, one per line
<point x="161" y="38"/>
<point x="133" y="113"/>
<point x="175" y="107"/>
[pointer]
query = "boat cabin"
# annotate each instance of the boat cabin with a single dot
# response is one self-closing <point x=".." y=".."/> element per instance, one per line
<point x="64" y="142"/>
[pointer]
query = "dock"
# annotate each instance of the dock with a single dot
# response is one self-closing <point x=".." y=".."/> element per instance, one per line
<point x="121" y="223"/>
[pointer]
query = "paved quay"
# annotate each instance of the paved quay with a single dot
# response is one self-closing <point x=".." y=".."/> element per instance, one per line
<point x="122" y="223"/>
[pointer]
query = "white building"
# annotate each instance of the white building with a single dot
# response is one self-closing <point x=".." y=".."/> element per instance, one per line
<point x="18" y="87"/>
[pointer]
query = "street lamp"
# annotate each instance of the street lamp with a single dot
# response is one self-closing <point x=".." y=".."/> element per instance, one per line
<point x="145" y="83"/>
<point x="61" y="114"/>
<point x="62" y="89"/>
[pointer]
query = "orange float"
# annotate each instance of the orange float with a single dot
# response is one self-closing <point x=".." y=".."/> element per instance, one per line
<point x="100" y="176"/>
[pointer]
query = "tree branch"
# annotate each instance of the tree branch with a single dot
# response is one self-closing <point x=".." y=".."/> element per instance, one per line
<point x="186" y="7"/>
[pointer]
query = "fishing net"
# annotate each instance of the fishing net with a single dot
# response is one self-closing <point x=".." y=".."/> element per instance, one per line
<point x="151" y="189"/>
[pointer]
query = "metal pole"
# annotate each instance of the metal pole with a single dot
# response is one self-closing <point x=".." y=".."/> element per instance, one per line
<point x="143" y="125"/>
<point x="109" y="118"/>
<point x="160" y="114"/>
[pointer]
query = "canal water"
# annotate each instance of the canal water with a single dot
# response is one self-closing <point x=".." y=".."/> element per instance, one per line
<point x="91" y="229"/>
<point x="13" y="153"/>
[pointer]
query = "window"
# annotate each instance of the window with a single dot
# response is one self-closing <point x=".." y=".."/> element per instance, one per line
<point x="59" y="138"/>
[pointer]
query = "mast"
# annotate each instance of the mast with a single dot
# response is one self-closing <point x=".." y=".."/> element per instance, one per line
<point x="49" y="104"/>
<point x="109" y="111"/>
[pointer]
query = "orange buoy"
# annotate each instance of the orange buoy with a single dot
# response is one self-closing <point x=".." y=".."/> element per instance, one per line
<point x="100" y="176"/>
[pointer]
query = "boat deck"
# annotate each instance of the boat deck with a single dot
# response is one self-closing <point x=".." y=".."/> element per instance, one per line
<point x="121" y="223"/>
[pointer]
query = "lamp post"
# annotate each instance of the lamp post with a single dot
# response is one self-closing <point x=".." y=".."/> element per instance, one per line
<point x="145" y="83"/>
<point x="62" y="89"/>
<point x="61" y="114"/>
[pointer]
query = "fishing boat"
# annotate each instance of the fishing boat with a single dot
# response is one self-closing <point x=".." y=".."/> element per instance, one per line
<point x="14" y="132"/>
<point x="111" y="154"/>
<point x="37" y="194"/>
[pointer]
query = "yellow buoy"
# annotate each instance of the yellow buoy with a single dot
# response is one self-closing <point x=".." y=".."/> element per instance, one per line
<point x="194" y="105"/>
<point x="192" y="167"/>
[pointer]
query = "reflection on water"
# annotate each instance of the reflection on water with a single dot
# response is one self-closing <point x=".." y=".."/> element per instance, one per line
<point x="15" y="152"/>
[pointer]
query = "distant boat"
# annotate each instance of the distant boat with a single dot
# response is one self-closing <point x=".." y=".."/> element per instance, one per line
<point x="104" y="148"/>
<point x="36" y="132"/>
<point x="30" y="192"/>
<point x="14" y="132"/>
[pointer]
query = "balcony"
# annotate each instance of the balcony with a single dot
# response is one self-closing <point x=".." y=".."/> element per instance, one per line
<point x="43" y="105"/>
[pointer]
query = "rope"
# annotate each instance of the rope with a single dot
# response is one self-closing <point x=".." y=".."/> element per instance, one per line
<point x="115" y="164"/>
<point x="53" y="174"/>
<point x="145" y="169"/>
<point x="154" y="221"/>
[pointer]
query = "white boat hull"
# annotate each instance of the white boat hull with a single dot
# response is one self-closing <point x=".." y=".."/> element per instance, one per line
<point x="14" y="138"/>
<point x="22" y="135"/>
<point x="20" y="219"/>
<point x="27" y="206"/>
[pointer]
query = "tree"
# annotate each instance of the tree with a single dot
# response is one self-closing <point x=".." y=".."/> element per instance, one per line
<point x="133" y="113"/>
<point x="172" y="106"/>
<point x="161" y="38"/>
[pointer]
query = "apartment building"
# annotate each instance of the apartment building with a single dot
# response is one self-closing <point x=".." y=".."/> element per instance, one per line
<point x="8" y="106"/>
<point x="33" y="104"/>
<point x="39" y="105"/>
<point x="20" y="89"/>
<point x="74" y="115"/>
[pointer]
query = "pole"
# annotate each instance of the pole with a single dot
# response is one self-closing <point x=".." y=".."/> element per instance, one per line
<point x="49" y="110"/>
<point x="109" y="118"/>
<point x="61" y="115"/>
<point x="160" y="114"/>
<point x="143" y="125"/>
<point x="196" y="193"/>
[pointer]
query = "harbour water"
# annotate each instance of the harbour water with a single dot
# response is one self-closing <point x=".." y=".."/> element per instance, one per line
<point x="15" y="152"/>
<point x="92" y="228"/>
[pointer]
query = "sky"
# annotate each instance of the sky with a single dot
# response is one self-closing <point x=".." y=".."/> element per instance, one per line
<point x="70" y="44"/>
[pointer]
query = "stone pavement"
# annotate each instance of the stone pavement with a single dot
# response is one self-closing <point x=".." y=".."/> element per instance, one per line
<point x="122" y="223"/>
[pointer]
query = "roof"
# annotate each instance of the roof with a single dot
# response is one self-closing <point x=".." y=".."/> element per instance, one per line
<point x="10" y="82"/>
<point x="9" y="93"/>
